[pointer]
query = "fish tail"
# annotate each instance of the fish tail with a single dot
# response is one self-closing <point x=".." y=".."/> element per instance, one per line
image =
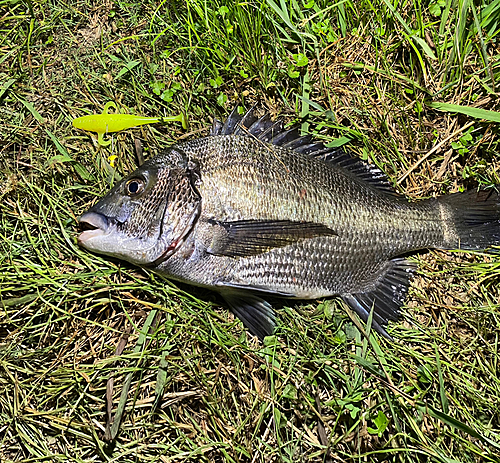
<point x="471" y="219"/>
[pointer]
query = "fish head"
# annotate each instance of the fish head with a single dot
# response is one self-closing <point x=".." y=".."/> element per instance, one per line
<point x="148" y="215"/>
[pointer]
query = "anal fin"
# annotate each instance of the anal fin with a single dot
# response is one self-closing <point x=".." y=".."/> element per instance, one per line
<point x="385" y="296"/>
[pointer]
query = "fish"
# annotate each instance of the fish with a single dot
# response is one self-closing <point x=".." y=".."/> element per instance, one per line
<point x="256" y="211"/>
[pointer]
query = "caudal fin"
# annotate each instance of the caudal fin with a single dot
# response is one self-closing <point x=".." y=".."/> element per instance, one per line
<point x="472" y="219"/>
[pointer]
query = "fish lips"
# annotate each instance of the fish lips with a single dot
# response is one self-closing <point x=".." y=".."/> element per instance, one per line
<point x="93" y="225"/>
<point x="101" y="235"/>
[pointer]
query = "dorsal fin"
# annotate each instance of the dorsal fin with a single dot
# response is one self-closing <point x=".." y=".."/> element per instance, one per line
<point x="274" y="132"/>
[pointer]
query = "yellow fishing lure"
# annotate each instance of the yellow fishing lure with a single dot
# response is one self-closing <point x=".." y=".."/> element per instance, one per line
<point x="106" y="123"/>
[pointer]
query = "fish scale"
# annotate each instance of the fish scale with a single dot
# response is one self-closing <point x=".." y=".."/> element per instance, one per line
<point x="283" y="189"/>
<point x="254" y="210"/>
<point x="322" y="266"/>
<point x="355" y="212"/>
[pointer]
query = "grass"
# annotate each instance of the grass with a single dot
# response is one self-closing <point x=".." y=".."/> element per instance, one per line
<point x="410" y="86"/>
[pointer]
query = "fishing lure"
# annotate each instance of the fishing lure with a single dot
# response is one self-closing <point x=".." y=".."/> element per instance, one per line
<point x="106" y="123"/>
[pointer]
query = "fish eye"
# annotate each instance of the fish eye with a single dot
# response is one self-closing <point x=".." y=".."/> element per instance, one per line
<point x="134" y="186"/>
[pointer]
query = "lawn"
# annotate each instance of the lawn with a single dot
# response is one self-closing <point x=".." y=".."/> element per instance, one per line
<point x="103" y="361"/>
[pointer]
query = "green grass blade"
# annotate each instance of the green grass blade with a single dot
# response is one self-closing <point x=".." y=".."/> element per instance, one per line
<point x="31" y="108"/>
<point x="115" y="427"/>
<point x="425" y="47"/>
<point x="6" y="87"/>
<point x="478" y="113"/>
<point x="454" y="423"/>
<point x="442" y="390"/>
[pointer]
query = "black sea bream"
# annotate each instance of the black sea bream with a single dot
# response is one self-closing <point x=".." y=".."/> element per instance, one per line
<point x="254" y="210"/>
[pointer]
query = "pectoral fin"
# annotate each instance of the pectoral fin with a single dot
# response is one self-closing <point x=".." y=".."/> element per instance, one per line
<point x="252" y="237"/>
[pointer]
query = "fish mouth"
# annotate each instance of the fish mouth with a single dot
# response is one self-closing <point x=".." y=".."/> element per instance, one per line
<point x="92" y="224"/>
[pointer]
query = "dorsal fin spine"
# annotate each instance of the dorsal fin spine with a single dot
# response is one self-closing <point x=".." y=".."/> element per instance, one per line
<point x="267" y="131"/>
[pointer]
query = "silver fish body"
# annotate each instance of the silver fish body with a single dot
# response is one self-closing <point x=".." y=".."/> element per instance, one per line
<point x="255" y="210"/>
